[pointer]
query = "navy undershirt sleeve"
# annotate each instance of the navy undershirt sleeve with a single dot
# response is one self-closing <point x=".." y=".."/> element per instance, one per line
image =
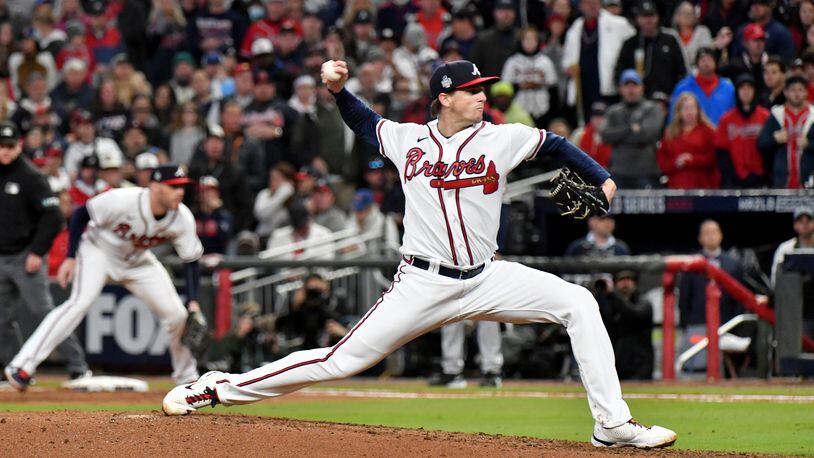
<point x="192" y="273"/>
<point x="79" y="221"/>
<point x="566" y="151"/>
<point x="358" y="116"/>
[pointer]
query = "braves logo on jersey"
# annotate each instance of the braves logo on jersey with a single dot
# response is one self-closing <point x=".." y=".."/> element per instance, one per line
<point x="139" y="241"/>
<point x="442" y="170"/>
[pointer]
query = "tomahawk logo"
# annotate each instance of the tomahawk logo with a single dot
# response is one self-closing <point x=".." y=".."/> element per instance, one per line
<point x="179" y="172"/>
<point x="475" y="70"/>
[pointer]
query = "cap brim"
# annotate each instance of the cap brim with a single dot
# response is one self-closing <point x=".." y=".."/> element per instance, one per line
<point x="483" y="81"/>
<point x="177" y="181"/>
<point x="8" y="141"/>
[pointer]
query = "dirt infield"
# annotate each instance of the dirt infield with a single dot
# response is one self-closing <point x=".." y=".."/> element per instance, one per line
<point x="137" y="434"/>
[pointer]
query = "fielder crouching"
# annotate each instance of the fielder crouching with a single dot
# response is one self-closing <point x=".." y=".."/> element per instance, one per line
<point x="122" y="225"/>
<point x="453" y="172"/>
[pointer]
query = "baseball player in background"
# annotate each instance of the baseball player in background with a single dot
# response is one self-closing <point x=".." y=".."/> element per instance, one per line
<point x="123" y="224"/>
<point x="453" y="341"/>
<point x="453" y="171"/>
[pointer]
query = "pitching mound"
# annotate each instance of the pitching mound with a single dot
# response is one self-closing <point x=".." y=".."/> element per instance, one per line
<point x="132" y="434"/>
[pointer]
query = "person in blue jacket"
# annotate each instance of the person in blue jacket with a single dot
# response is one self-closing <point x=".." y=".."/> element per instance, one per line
<point x="715" y="94"/>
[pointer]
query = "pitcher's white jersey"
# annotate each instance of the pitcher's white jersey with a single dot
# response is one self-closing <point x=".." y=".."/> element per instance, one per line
<point x="123" y="225"/>
<point x="454" y="186"/>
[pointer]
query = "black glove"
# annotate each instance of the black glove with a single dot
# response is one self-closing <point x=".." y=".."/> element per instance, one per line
<point x="196" y="334"/>
<point x="577" y="198"/>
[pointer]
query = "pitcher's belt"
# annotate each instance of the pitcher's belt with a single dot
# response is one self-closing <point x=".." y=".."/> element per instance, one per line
<point x="451" y="272"/>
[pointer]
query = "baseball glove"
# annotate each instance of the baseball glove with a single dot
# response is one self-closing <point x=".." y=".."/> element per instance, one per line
<point x="196" y="334"/>
<point x="574" y="197"/>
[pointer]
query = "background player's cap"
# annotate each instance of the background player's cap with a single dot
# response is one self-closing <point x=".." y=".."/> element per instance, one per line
<point x="9" y="135"/>
<point x="170" y="174"/>
<point x="146" y="161"/>
<point x="459" y="74"/>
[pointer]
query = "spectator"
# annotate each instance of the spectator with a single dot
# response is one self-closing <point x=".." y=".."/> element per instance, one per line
<point x="778" y="37"/>
<point x="59" y="249"/>
<point x="315" y="239"/>
<point x="494" y="46"/>
<point x="369" y="221"/>
<point x="413" y="53"/>
<point x="433" y="17"/>
<point x="535" y="77"/>
<point x="503" y="99"/>
<point x="84" y="144"/>
<point x="50" y="165"/>
<point x="304" y="103"/>
<point x="560" y="127"/>
<point x="687" y="151"/>
<point x="726" y="14"/>
<point x="246" y="152"/>
<point x="333" y="139"/>
<point x="692" y="35"/>
<point x="462" y="31"/>
<point x="599" y="241"/>
<point x="244" y="85"/>
<point x="213" y="222"/>
<point x="269" y="120"/>
<point x="75" y="47"/>
<point x="592" y="47"/>
<point x="290" y="54"/>
<point x="183" y="67"/>
<point x="555" y="26"/>
<point x="270" y="202"/>
<point x="804" y="228"/>
<point x="85" y="185"/>
<point x="312" y="29"/>
<point x="35" y="106"/>
<point x="222" y="84"/>
<point x="127" y="80"/>
<point x="395" y="15"/>
<point x="215" y="28"/>
<point x="50" y="38"/>
<point x="326" y="213"/>
<point x="187" y="134"/>
<point x="28" y="61"/>
<point x="613" y="6"/>
<point x="164" y="104"/>
<point x="102" y="37"/>
<point x="268" y="27"/>
<point x="211" y="160"/>
<point x="7" y="47"/>
<point x="787" y="138"/>
<point x="654" y="53"/>
<point x="166" y="33"/>
<point x="753" y="58"/>
<point x="109" y="115"/>
<point x="632" y="129"/>
<point x="774" y="83"/>
<point x="362" y="37"/>
<point x="73" y="92"/>
<point x="208" y="108"/>
<point x="739" y="160"/>
<point x="692" y="292"/>
<point x="588" y="137"/>
<point x="145" y="163"/>
<point x="629" y="319"/>
<point x="110" y="167"/>
<point x="715" y="95"/>
<point x="141" y="115"/>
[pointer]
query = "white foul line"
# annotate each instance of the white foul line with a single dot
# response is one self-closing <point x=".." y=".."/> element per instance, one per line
<point x="339" y="393"/>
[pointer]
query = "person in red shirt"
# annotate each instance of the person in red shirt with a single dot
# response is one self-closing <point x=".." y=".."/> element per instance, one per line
<point x="268" y="27"/>
<point x="687" y="151"/>
<point x="588" y="138"/>
<point x="740" y="162"/>
<point x="433" y="17"/>
<point x="59" y="248"/>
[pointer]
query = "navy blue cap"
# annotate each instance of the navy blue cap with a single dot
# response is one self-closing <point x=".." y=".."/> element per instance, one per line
<point x="9" y="135"/>
<point x="170" y="174"/>
<point x="459" y="74"/>
<point x="362" y="199"/>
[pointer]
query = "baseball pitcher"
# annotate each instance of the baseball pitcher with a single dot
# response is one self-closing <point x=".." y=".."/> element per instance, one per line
<point x="122" y="225"/>
<point x="453" y="171"/>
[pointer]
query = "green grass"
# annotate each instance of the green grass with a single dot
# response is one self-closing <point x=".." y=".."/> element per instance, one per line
<point x="776" y="428"/>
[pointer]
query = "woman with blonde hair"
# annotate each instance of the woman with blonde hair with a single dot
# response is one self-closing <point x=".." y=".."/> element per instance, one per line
<point x="692" y="35"/>
<point x="687" y="152"/>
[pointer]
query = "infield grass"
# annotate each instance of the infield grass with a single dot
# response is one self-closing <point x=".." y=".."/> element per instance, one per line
<point x="757" y="427"/>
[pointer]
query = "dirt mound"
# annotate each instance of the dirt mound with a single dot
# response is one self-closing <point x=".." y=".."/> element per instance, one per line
<point x="137" y="434"/>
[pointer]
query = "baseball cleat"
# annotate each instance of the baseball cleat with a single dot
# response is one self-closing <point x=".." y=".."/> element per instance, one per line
<point x="18" y="378"/>
<point x="185" y="399"/>
<point x="490" y="380"/>
<point x="454" y="381"/>
<point x="633" y="434"/>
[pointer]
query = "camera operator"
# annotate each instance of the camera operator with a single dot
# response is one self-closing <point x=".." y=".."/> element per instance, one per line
<point x="629" y="320"/>
<point x="311" y="321"/>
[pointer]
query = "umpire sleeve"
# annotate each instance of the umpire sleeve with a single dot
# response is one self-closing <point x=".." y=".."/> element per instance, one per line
<point x="46" y="210"/>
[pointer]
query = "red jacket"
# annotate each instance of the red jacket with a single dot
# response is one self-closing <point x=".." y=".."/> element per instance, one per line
<point x="738" y="136"/>
<point x="701" y="171"/>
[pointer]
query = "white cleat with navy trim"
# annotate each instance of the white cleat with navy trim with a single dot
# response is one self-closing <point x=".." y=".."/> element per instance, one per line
<point x="185" y="399"/>
<point x="633" y="434"/>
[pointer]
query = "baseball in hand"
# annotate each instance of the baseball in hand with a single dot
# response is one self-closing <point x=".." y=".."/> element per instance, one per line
<point x="329" y="72"/>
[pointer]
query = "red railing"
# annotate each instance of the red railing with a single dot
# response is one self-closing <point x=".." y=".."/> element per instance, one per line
<point x="718" y="280"/>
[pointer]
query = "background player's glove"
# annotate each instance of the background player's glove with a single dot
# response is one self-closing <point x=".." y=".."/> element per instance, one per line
<point x="196" y="334"/>
<point x="577" y="198"/>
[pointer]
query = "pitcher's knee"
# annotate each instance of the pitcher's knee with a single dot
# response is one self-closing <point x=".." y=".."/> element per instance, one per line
<point x="583" y="303"/>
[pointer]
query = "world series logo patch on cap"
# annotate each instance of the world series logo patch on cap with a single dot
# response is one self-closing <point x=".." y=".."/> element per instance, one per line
<point x="446" y="82"/>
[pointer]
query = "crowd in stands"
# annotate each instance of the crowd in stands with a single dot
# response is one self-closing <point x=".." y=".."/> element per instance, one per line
<point x="679" y="94"/>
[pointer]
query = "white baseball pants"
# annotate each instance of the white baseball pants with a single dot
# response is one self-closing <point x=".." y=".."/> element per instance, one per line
<point x="453" y="337"/>
<point x="419" y="301"/>
<point x="146" y="279"/>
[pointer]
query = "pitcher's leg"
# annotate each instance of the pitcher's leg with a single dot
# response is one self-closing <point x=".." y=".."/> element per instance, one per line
<point x="89" y="279"/>
<point x="515" y="293"/>
<point x="151" y="283"/>
<point x="414" y="305"/>
<point x="452" y="348"/>
<point x="489" y="345"/>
